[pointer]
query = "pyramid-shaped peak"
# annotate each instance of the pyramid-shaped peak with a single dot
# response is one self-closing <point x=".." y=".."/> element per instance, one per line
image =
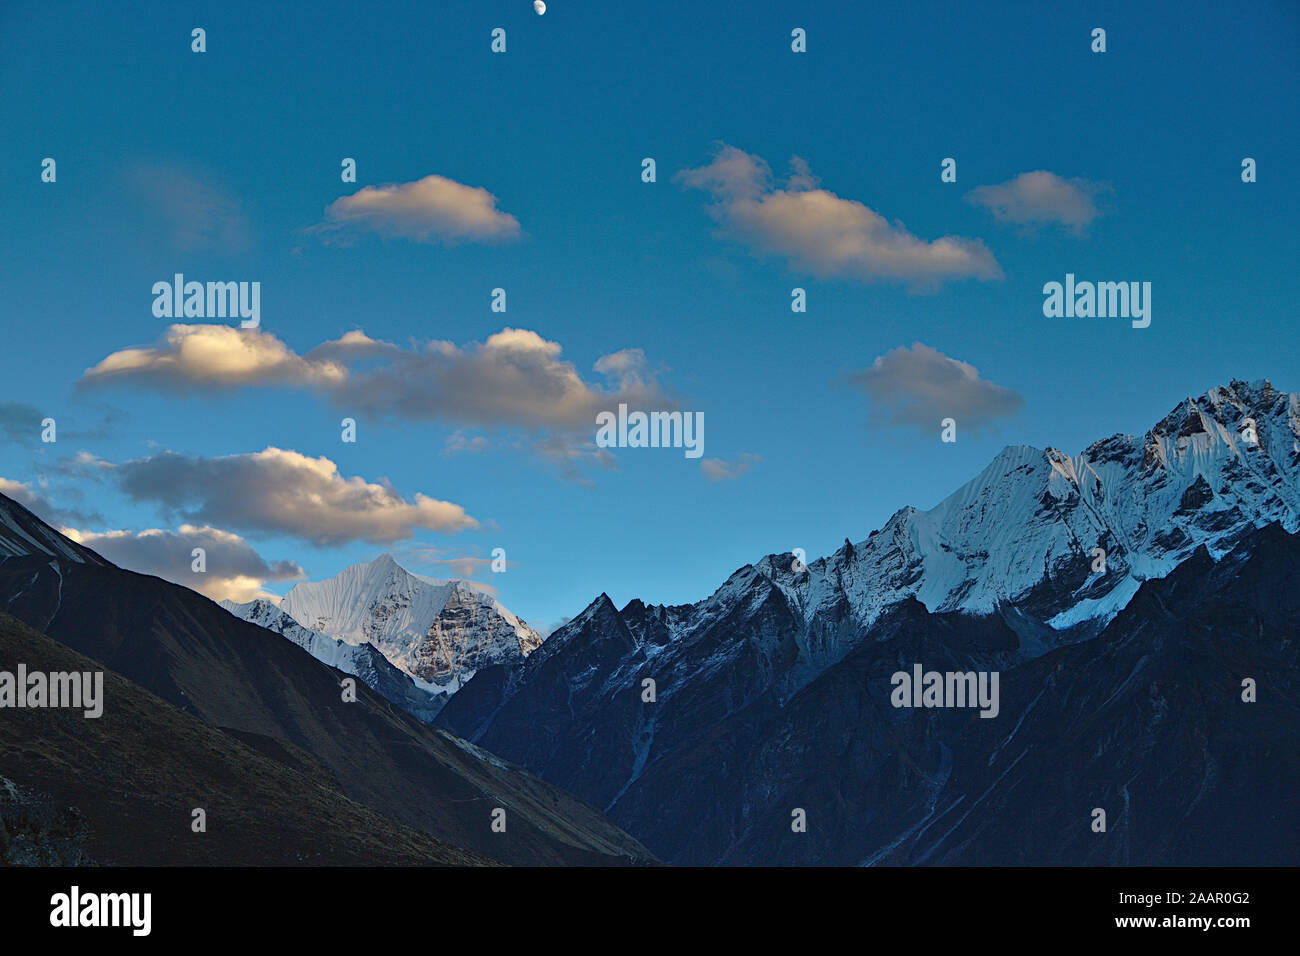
<point x="385" y="562"/>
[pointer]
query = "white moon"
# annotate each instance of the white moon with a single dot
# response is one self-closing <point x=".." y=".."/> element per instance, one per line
<point x="539" y="7"/>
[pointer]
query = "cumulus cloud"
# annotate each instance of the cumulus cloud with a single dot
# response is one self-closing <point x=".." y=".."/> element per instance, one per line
<point x="818" y="232"/>
<point x="190" y="356"/>
<point x="432" y="209"/>
<point x="717" y="469"/>
<point x="514" y="377"/>
<point x="278" y="491"/>
<point x="234" y="570"/>
<point x="920" y="386"/>
<point x="1040" y="198"/>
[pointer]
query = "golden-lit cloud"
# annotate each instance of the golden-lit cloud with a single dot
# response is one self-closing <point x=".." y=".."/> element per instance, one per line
<point x="821" y="233"/>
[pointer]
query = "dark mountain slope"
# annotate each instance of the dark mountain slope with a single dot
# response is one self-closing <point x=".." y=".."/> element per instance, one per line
<point x="1145" y="721"/>
<point x="232" y="674"/>
<point x="119" y="789"/>
<point x="1148" y="723"/>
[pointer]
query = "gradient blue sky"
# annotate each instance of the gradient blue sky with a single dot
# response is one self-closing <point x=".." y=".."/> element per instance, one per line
<point x="555" y="129"/>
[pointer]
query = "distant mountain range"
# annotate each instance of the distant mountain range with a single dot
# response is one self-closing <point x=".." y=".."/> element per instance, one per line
<point x="1137" y="603"/>
<point x="1121" y="671"/>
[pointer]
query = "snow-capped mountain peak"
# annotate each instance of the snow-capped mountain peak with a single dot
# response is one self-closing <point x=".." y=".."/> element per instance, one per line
<point x="1027" y="529"/>
<point x="440" y="632"/>
<point x="360" y="660"/>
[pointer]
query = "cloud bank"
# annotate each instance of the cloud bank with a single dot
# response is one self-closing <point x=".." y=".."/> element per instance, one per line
<point x="514" y="377"/>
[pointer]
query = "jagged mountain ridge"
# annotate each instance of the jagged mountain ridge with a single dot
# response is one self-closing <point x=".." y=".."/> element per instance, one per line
<point x="1024" y="530"/>
<point x="1004" y="566"/>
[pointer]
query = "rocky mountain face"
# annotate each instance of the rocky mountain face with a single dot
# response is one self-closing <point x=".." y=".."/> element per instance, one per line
<point x="438" y="632"/>
<point x="774" y="693"/>
<point x="273" y="697"/>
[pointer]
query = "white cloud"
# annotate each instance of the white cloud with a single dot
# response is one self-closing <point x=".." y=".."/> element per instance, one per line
<point x="1040" y="198"/>
<point x="432" y="209"/>
<point x="821" y="233"/>
<point x="515" y="377"/>
<point x="920" y="386"/>
<point x="190" y="356"/>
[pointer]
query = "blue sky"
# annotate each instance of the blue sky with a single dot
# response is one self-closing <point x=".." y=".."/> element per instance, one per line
<point x="218" y="165"/>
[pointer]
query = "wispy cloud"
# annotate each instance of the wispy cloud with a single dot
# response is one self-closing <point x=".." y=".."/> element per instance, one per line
<point x="20" y="422"/>
<point x="818" y="232"/>
<point x="23" y="423"/>
<point x="39" y="503"/>
<point x="460" y="567"/>
<point x="920" y="386"/>
<point x="196" y="215"/>
<point x="1041" y="198"/>
<point x="459" y="443"/>
<point x="717" y="469"/>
